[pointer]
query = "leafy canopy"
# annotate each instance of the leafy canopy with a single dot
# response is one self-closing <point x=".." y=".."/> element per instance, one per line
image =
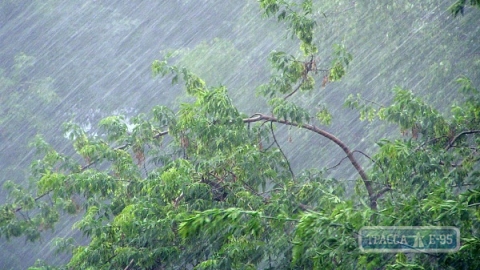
<point x="209" y="187"/>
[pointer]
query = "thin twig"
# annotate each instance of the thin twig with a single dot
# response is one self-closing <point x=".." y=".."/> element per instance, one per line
<point x="358" y="151"/>
<point x="371" y="159"/>
<point x="281" y="151"/>
<point x="428" y="142"/>
<point x="36" y="199"/>
<point x="338" y="164"/>
<point x="128" y="266"/>
<point x="268" y="147"/>
<point x="373" y="102"/>
<point x="294" y="91"/>
<point x="268" y="191"/>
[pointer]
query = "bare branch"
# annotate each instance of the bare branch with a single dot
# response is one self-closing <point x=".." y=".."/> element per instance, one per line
<point x="460" y="135"/>
<point x="354" y="151"/>
<point x="373" y="102"/>
<point x="281" y="151"/>
<point x="371" y="159"/>
<point x="294" y="91"/>
<point x="358" y="151"/>
<point x="338" y="164"/>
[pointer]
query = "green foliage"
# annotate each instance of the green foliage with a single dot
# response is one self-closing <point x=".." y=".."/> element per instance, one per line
<point x="23" y="97"/>
<point x="341" y="61"/>
<point x="459" y="6"/>
<point x="201" y="188"/>
<point x="324" y="116"/>
<point x="289" y="111"/>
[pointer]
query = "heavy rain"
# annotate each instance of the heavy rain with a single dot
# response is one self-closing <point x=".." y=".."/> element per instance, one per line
<point x="206" y="134"/>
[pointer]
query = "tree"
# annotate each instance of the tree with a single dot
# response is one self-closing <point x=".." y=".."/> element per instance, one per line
<point x="27" y="103"/>
<point x="459" y="6"/>
<point x="210" y="187"/>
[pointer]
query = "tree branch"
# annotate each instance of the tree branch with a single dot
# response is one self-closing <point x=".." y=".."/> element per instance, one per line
<point x="294" y="91"/>
<point x="371" y="159"/>
<point x="381" y="192"/>
<point x="281" y="151"/>
<point x="36" y="199"/>
<point x="331" y="137"/>
<point x="460" y="135"/>
<point x="338" y="164"/>
<point x="354" y="151"/>
<point x="261" y="117"/>
<point x="160" y="134"/>
<point x="86" y="166"/>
